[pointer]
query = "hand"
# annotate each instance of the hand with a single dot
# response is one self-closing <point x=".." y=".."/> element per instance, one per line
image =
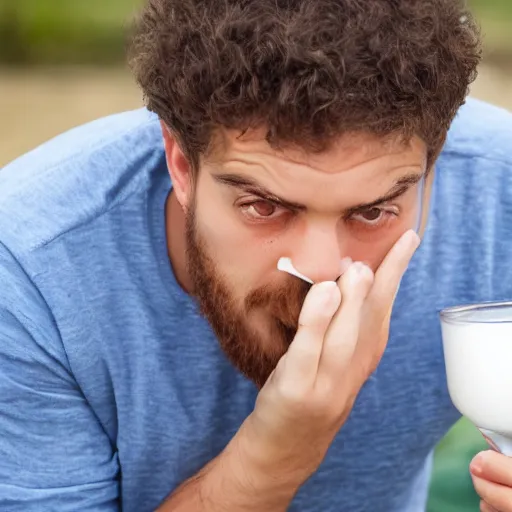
<point x="492" y="477"/>
<point x="310" y="394"/>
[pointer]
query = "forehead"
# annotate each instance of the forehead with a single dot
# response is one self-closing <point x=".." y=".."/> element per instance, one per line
<point x="355" y="170"/>
<point x="364" y="152"/>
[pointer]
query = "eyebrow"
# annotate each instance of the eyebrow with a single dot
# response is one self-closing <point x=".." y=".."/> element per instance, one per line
<point x="251" y="186"/>
<point x="401" y="186"/>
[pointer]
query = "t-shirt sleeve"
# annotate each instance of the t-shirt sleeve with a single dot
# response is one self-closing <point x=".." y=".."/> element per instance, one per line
<point x="54" y="454"/>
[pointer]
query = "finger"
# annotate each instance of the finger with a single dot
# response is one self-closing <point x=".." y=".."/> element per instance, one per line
<point x="343" y="333"/>
<point x="493" y="466"/>
<point x="485" y="507"/>
<point x="345" y="264"/>
<point x="301" y="360"/>
<point x="390" y="272"/>
<point x="496" y="495"/>
<point x="379" y="304"/>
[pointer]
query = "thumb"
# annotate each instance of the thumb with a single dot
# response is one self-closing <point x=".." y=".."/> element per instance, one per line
<point x="317" y="312"/>
<point x="321" y="303"/>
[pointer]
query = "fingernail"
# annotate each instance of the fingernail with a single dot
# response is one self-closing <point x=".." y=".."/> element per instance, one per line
<point x="352" y="275"/>
<point x="357" y="274"/>
<point x="326" y="293"/>
<point x="476" y="465"/>
<point x="345" y="264"/>
<point x="412" y="237"/>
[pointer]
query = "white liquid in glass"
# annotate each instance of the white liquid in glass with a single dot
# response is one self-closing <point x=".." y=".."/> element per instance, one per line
<point x="477" y="343"/>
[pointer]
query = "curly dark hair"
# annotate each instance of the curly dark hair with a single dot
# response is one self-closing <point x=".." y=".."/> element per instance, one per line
<point x="306" y="70"/>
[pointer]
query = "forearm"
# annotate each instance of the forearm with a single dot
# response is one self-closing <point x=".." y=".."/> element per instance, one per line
<point x="190" y="496"/>
<point x="227" y="485"/>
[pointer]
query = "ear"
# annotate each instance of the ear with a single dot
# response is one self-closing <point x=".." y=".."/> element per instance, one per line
<point x="180" y="170"/>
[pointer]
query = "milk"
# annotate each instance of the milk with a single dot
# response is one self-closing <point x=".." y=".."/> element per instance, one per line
<point x="477" y="342"/>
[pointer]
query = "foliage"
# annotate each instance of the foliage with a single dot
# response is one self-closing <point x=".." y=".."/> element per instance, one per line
<point x="64" y="31"/>
<point x="94" y="31"/>
<point x="451" y="487"/>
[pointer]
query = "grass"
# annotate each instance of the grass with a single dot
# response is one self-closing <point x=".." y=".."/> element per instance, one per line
<point x="64" y="31"/>
<point x="495" y="17"/>
<point x="451" y="487"/>
<point x="94" y="31"/>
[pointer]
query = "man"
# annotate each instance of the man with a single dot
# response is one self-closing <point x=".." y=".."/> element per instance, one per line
<point x="152" y="355"/>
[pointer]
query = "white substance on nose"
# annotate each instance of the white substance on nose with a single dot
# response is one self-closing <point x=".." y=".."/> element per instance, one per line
<point x="286" y="265"/>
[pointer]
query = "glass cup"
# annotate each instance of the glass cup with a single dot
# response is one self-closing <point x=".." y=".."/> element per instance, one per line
<point x="477" y="343"/>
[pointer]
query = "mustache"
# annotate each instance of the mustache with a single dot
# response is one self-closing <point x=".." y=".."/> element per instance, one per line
<point x="284" y="301"/>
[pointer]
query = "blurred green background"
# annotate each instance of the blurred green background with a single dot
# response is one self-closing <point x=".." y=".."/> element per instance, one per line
<point x="93" y="31"/>
<point x="62" y="64"/>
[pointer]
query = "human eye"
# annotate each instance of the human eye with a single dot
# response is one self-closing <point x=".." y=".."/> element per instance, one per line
<point x="374" y="217"/>
<point x="261" y="210"/>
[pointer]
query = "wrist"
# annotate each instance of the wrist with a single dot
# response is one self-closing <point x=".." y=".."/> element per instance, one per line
<point x="276" y="461"/>
<point x="264" y="462"/>
<point x="236" y="480"/>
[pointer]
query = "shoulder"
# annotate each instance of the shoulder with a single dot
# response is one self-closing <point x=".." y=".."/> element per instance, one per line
<point x="75" y="177"/>
<point x="475" y="166"/>
<point x="469" y="240"/>
<point x="480" y="130"/>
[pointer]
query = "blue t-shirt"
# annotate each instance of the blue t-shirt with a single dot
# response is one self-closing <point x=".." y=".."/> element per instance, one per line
<point x="113" y="389"/>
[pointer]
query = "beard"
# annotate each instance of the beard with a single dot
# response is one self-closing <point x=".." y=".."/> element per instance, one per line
<point x="254" y="350"/>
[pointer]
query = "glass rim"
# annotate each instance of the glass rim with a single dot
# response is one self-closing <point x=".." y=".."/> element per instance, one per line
<point x="452" y="314"/>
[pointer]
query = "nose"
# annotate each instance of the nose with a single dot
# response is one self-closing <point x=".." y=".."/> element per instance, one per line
<point x="317" y="255"/>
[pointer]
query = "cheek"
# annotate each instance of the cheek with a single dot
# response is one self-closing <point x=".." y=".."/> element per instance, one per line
<point x="240" y="254"/>
<point x="373" y="247"/>
<point x="370" y="253"/>
<point x="214" y="220"/>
